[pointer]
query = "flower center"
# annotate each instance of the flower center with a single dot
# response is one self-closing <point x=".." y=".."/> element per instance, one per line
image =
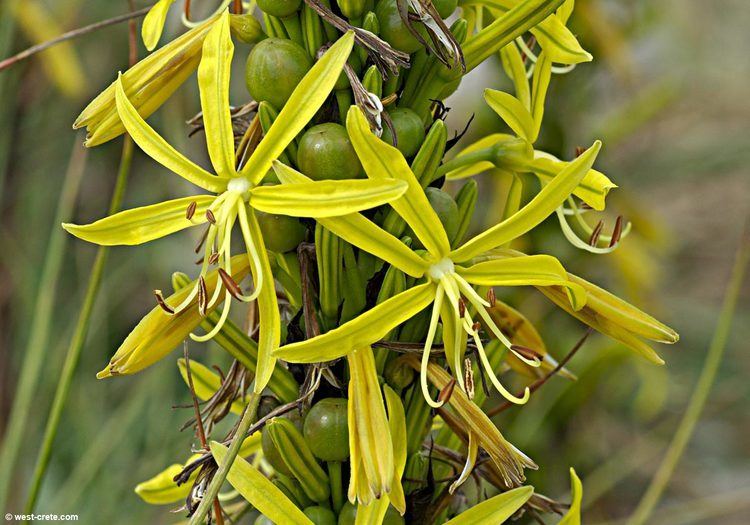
<point x="240" y="185"/>
<point x="441" y="268"/>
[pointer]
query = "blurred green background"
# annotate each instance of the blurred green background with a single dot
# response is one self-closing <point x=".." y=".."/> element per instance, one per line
<point x="667" y="93"/>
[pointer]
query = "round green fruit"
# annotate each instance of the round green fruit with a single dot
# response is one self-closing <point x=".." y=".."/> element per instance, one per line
<point x="392" y="28"/>
<point x="445" y="8"/>
<point x="326" y="429"/>
<point x="281" y="233"/>
<point x="325" y="152"/>
<point x="320" y="515"/>
<point x="262" y="520"/>
<point x="279" y="8"/>
<point x="274" y="68"/>
<point x="409" y="131"/>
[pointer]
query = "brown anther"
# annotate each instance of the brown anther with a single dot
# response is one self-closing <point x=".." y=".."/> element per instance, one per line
<point x="491" y="298"/>
<point x="202" y="296"/>
<point x="161" y="302"/>
<point x="389" y="99"/>
<point x="476" y="326"/>
<point x="213" y="258"/>
<point x="527" y="352"/>
<point x="447" y="391"/>
<point x="617" y="232"/>
<point x="596" y="233"/>
<point x="232" y="287"/>
<point x="461" y="307"/>
<point x="469" y="378"/>
<point x="210" y="217"/>
<point x="201" y="241"/>
<point x="580" y="150"/>
<point x="200" y="261"/>
<point x="191" y="210"/>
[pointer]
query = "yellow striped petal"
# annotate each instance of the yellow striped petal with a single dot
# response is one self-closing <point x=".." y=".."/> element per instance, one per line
<point x="494" y="510"/>
<point x="139" y="225"/>
<point x="513" y="112"/>
<point x="356" y="229"/>
<point x="573" y="516"/>
<point x="213" y="82"/>
<point x="302" y="105"/>
<point x="325" y="198"/>
<point x="361" y="331"/>
<point x="539" y="85"/>
<point x="516" y="70"/>
<point x="383" y="161"/>
<point x="538" y="209"/>
<point x="259" y="491"/>
<point x="397" y="426"/>
<point x="593" y="188"/>
<point x="159" y="149"/>
<point x="153" y="23"/>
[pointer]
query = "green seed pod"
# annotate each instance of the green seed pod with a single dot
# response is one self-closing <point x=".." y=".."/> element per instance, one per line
<point x="369" y="23"/>
<point x="274" y="68"/>
<point x="352" y="9"/>
<point x="325" y="152"/>
<point x="271" y="454"/>
<point x="373" y="81"/>
<point x="466" y="200"/>
<point x="246" y="28"/>
<point x="328" y="258"/>
<point x="445" y="8"/>
<point x="392" y="28"/>
<point x="279" y="8"/>
<point x="281" y="233"/>
<point x="274" y="27"/>
<point x="320" y="515"/>
<point x="298" y="457"/>
<point x="292" y="490"/>
<point x="513" y="154"/>
<point x="409" y="131"/>
<point x="326" y="430"/>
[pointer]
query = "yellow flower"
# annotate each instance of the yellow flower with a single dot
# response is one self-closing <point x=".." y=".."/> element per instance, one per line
<point x="236" y="193"/>
<point x="444" y="274"/>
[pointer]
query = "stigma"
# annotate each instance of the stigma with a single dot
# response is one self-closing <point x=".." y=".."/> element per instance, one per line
<point x="442" y="268"/>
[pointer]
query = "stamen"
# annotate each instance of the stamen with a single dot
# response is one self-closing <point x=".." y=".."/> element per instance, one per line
<point x="161" y="302"/>
<point x="580" y="150"/>
<point x="476" y="326"/>
<point x="202" y="240"/>
<point x="527" y="352"/>
<point x="461" y="307"/>
<point x="469" y="378"/>
<point x="596" y="233"/>
<point x="495" y="381"/>
<point x="231" y="285"/>
<point x="491" y="298"/>
<point x="447" y="391"/>
<point x="191" y="210"/>
<point x="617" y="232"/>
<point x="215" y="330"/>
<point x="202" y="294"/>
<point x="210" y="216"/>
<point x="428" y="346"/>
<point x="213" y="258"/>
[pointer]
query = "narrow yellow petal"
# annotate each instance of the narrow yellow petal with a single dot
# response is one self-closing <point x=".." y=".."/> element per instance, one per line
<point x="361" y="331"/>
<point x="153" y="23"/>
<point x="573" y="516"/>
<point x="494" y="510"/>
<point x="538" y="209"/>
<point x="259" y="491"/>
<point x="325" y="198"/>
<point x="383" y="161"/>
<point x="213" y="82"/>
<point x="159" y="149"/>
<point x="139" y="225"/>
<point x="513" y="112"/>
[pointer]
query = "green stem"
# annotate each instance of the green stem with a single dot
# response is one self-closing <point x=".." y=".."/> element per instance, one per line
<point x="248" y="417"/>
<point x="34" y="354"/>
<point x="475" y="157"/>
<point x="700" y="394"/>
<point x="337" y="494"/>
<point x="79" y="337"/>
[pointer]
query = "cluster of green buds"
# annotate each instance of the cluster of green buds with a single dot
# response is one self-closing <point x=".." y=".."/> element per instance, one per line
<point x="372" y="316"/>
